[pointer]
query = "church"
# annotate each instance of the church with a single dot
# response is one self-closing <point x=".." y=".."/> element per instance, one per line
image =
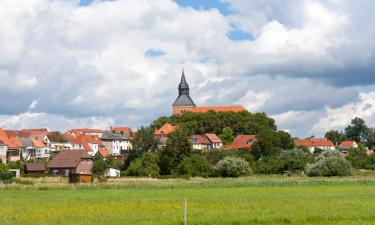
<point x="184" y="103"/>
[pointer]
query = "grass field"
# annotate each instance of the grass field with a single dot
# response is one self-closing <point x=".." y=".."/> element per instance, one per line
<point x="252" y="200"/>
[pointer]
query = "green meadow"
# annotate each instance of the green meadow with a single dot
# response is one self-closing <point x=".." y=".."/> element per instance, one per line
<point x="252" y="200"/>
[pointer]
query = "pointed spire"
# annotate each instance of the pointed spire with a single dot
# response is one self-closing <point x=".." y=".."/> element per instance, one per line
<point x="183" y="83"/>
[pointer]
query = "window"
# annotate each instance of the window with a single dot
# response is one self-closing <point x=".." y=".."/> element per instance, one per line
<point x="54" y="172"/>
<point x="66" y="172"/>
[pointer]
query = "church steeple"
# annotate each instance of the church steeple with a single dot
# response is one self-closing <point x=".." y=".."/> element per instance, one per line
<point x="183" y="101"/>
<point x="183" y="87"/>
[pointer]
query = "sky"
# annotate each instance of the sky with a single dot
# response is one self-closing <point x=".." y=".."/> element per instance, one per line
<point x="309" y="64"/>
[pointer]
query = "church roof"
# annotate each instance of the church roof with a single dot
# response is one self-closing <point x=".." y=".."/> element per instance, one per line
<point x="183" y="100"/>
<point x="183" y="83"/>
<point x="205" y="109"/>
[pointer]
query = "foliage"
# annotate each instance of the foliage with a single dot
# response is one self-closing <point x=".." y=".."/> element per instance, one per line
<point x="215" y="155"/>
<point x="6" y="177"/>
<point x="269" y="165"/>
<point x="329" y="163"/>
<point x="233" y="167"/>
<point x="295" y="159"/>
<point x="56" y="136"/>
<point x="194" y="166"/>
<point x="146" y="165"/>
<point x="100" y="166"/>
<point x="268" y="144"/>
<point x="227" y="135"/>
<point x="286" y="141"/>
<point x="144" y="141"/>
<point x="177" y="148"/>
<point x="335" y="136"/>
<point x="215" y="122"/>
<point x="358" y="157"/>
<point x="3" y="168"/>
<point x="357" y="130"/>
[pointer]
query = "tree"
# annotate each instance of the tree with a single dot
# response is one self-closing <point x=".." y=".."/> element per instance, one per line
<point x="193" y="166"/>
<point x="295" y="159"/>
<point x="267" y="144"/>
<point x="56" y="136"/>
<point x="146" y="166"/>
<point x="358" y="157"/>
<point x="227" y="136"/>
<point x="335" y="136"/>
<point x="329" y="163"/>
<point x="99" y="166"/>
<point x="357" y="130"/>
<point x="144" y="141"/>
<point x="233" y="167"/>
<point x="286" y="141"/>
<point x="177" y="148"/>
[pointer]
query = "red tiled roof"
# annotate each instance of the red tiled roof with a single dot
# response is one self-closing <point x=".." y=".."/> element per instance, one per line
<point x="104" y="152"/>
<point x="124" y="130"/>
<point x="68" y="159"/>
<point x="75" y="133"/>
<point x="347" y="144"/>
<point x="84" y="140"/>
<point x="205" y="109"/>
<point x="37" y="143"/>
<point x="4" y="137"/>
<point x="200" y="139"/>
<point x="244" y="139"/>
<point x="15" y="142"/>
<point x="165" y="129"/>
<point x="313" y="143"/>
<point x="213" y="138"/>
<point x="11" y="133"/>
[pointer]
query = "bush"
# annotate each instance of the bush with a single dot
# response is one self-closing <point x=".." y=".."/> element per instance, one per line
<point x="23" y="182"/>
<point x="146" y="165"/>
<point x="6" y="177"/>
<point x="269" y="165"/>
<point x="233" y="167"/>
<point x="329" y="163"/>
<point x="295" y="160"/>
<point x="215" y="155"/>
<point x="193" y="166"/>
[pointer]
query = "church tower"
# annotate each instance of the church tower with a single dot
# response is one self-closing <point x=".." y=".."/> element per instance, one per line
<point x="183" y="102"/>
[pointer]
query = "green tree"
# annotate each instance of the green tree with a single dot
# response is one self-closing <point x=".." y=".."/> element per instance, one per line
<point x="146" y="165"/>
<point x="193" y="166"/>
<point x="286" y="141"/>
<point x="335" y="136"/>
<point x="144" y="141"/>
<point x="56" y="136"/>
<point x="358" y="157"/>
<point x="329" y="163"/>
<point x="295" y="159"/>
<point x="99" y="166"/>
<point x="357" y="130"/>
<point x="267" y="144"/>
<point x="177" y="148"/>
<point x="227" y="136"/>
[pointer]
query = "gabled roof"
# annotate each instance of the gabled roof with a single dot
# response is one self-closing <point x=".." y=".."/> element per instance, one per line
<point x="37" y="143"/>
<point x="4" y="137"/>
<point x="347" y="144"/>
<point x="84" y="140"/>
<point x="237" y="146"/>
<point x="15" y="142"/>
<point x="213" y="138"/>
<point x="219" y="109"/>
<point x="37" y="166"/>
<point x="165" y="129"/>
<point x="123" y="130"/>
<point x="184" y="100"/>
<point x="313" y="142"/>
<point x="199" y="139"/>
<point x="68" y="159"/>
<point x="104" y="152"/>
<point x="244" y="139"/>
<point x="75" y="133"/>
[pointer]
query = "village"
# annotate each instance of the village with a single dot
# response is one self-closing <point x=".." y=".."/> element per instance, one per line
<point x="72" y="153"/>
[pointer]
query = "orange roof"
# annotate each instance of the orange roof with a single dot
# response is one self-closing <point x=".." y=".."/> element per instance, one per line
<point x="200" y="139"/>
<point x="213" y="138"/>
<point x="348" y="144"/>
<point x="244" y="139"/>
<point x="219" y="109"/>
<point x="37" y="143"/>
<point x="313" y="142"/>
<point x="4" y="137"/>
<point x="75" y="133"/>
<point x="15" y="142"/>
<point x="124" y="130"/>
<point x="165" y="129"/>
<point x="84" y="140"/>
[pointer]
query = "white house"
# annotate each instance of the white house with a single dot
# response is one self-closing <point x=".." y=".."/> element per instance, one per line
<point x="314" y="143"/>
<point x="117" y="143"/>
<point x="35" y="148"/>
<point x="206" y="141"/>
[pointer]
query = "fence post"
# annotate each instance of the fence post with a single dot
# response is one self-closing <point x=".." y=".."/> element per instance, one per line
<point x="185" y="212"/>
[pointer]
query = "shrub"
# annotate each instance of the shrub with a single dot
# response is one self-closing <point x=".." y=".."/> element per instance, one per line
<point x="23" y="182"/>
<point x="146" y="165"/>
<point x="233" y="167"/>
<point x="295" y="160"/>
<point x="269" y="165"/>
<point x="193" y="166"/>
<point x="329" y="163"/>
<point x="215" y="155"/>
<point x="6" y="177"/>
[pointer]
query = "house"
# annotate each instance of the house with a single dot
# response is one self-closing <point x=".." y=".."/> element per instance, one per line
<point x="184" y="103"/>
<point x="163" y="132"/>
<point x="117" y="142"/>
<point x="123" y="130"/>
<point x="34" y="148"/>
<point x="73" y="134"/>
<point x="206" y="141"/>
<point x="90" y="143"/>
<point x="35" y="168"/>
<point x="58" y="146"/>
<point x="314" y="143"/>
<point x="242" y="141"/>
<point x="13" y="147"/>
<point x="71" y="162"/>
<point x="3" y="152"/>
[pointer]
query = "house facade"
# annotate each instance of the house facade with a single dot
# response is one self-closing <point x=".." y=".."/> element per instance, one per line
<point x="117" y="143"/>
<point x="69" y="162"/>
<point x="242" y="142"/>
<point x="206" y="141"/>
<point x="313" y="144"/>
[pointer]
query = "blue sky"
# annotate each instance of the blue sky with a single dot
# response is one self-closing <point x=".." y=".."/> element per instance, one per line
<point x="307" y="64"/>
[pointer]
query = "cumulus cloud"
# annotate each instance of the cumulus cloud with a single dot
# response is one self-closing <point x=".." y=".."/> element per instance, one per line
<point x="120" y="61"/>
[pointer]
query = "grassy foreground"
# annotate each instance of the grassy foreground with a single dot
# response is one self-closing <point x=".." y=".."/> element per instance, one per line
<point x="253" y="200"/>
